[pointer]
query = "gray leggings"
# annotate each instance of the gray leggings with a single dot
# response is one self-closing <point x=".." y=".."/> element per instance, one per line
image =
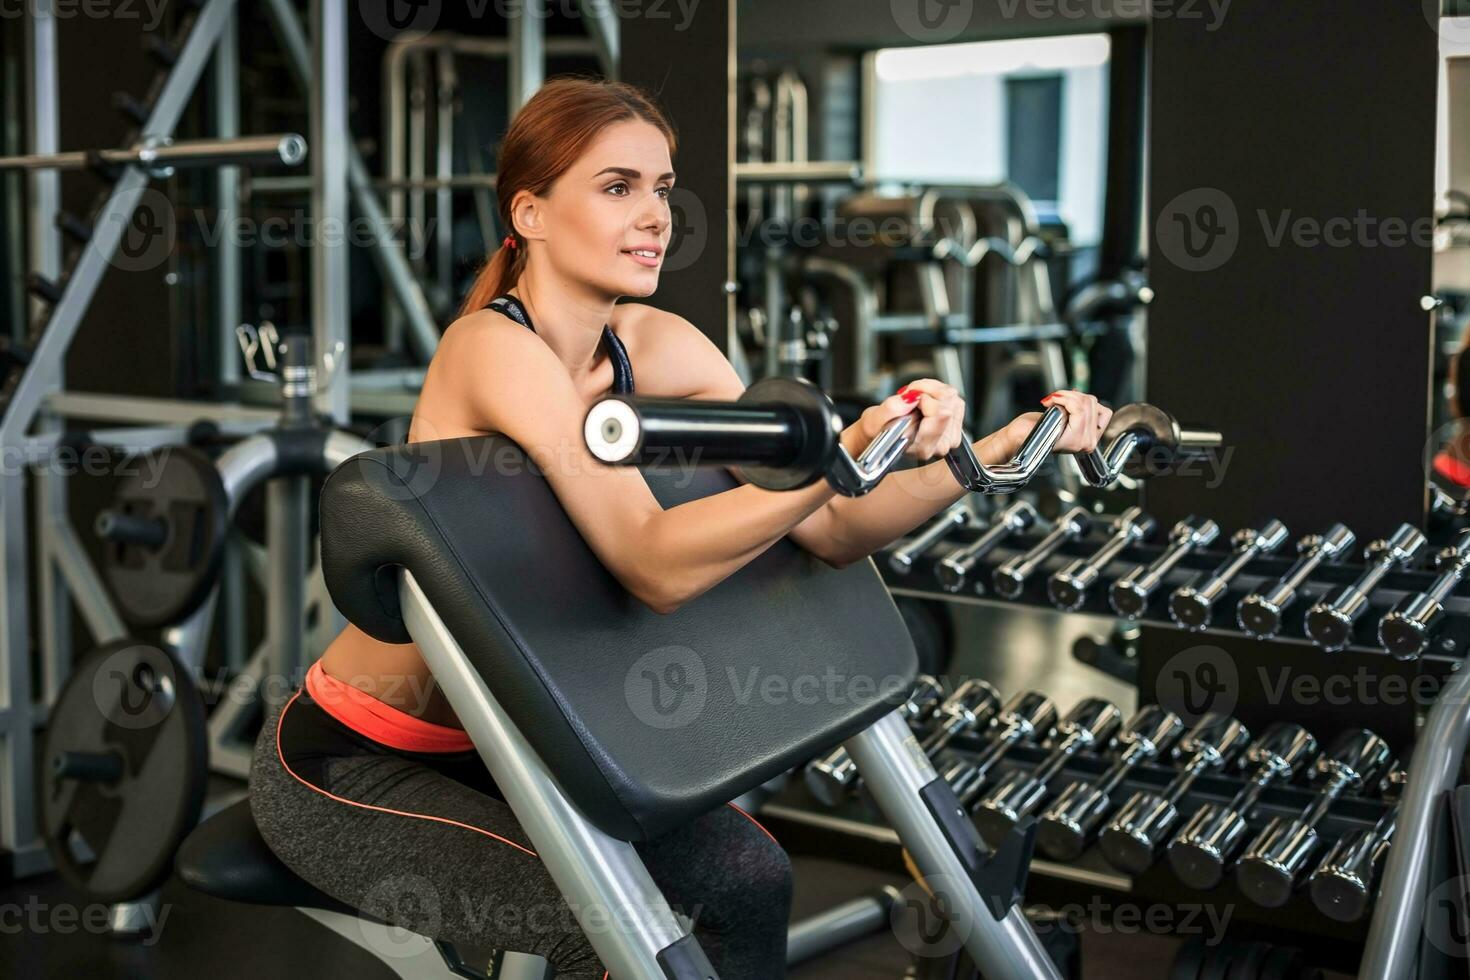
<point x="424" y="842"/>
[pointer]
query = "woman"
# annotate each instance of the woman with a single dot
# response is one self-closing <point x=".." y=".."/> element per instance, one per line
<point x="364" y="783"/>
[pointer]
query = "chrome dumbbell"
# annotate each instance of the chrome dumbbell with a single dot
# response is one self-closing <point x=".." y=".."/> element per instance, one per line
<point x="1068" y="587"/>
<point x="1132" y="838"/>
<point x="1129" y="595"/>
<point x="1259" y="613"/>
<point x="835" y="775"/>
<point x="1330" y="622"/>
<point x="954" y="569"/>
<point x="1090" y="724"/>
<point x="1010" y="578"/>
<point x="971" y="707"/>
<point x="1342" y="887"/>
<point x="902" y="558"/>
<point x="1191" y="606"/>
<point x="1066" y="825"/>
<point x="1210" y="840"/>
<point x="1271" y="865"/>
<point x="1028" y="717"/>
<point x="1407" y="630"/>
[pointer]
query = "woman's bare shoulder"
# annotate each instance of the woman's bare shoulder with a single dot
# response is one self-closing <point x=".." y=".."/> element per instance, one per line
<point x="671" y="356"/>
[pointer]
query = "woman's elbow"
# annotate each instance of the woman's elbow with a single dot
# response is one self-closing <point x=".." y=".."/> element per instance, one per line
<point x="657" y="593"/>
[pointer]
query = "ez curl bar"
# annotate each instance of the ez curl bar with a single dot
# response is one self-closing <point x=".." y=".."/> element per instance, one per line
<point x="783" y="434"/>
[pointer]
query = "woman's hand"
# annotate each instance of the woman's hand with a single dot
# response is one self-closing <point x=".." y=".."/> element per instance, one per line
<point x="1086" y="421"/>
<point x="942" y="417"/>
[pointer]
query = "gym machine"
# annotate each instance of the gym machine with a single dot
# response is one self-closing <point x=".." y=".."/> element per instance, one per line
<point x="780" y="443"/>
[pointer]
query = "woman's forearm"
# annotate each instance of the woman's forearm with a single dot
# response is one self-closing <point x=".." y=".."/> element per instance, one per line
<point x="903" y="501"/>
<point x="691" y="548"/>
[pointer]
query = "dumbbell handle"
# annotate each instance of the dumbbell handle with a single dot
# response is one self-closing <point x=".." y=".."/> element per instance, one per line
<point x="972" y="705"/>
<point x="1248" y="547"/>
<point x="1456" y="562"/>
<point x="121" y="528"/>
<point x="1128" y="760"/>
<point x="1073" y="742"/>
<point x="974" y="780"/>
<point x="1073" y="524"/>
<point x="1315" y="549"/>
<point x="1337" y="783"/>
<point x="1184" y="539"/>
<point x="1130" y="526"/>
<point x="902" y="558"/>
<point x="1400" y="549"/>
<point x="957" y="565"/>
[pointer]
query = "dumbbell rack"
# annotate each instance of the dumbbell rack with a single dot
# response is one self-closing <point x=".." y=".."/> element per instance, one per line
<point x="1446" y="650"/>
<point x="797" y="812"/>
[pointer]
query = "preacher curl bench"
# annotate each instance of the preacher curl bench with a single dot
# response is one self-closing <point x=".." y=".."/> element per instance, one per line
<point x="460" y="547"/>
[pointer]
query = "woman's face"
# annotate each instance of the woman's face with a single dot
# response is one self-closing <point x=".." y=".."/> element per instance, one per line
<point x="609" y="206"/>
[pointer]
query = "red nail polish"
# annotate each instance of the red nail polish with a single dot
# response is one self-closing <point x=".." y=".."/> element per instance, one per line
<point x="912" y="396"/>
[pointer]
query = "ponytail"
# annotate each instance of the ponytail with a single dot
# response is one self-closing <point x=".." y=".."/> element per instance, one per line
<point x="496" y="276"/>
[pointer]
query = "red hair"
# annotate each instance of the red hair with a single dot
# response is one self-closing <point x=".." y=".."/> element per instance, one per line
<point x="550" y="132"/>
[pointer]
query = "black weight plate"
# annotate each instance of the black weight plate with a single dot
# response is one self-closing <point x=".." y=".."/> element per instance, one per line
<point x="161" y="586"/>
<point x="135" y="704"/>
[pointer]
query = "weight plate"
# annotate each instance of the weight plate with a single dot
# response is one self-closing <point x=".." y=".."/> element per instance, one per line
<point x="1159" y="437"/>
<point x="124" y="763"/>
<point x="159" y="585"/>
<point x="820" y="442"/>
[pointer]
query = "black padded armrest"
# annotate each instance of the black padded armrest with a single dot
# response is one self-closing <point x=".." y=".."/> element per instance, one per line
<point x="646" y="720"/>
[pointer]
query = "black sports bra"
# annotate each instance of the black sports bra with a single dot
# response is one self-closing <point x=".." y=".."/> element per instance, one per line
<point x="622" y="367"/>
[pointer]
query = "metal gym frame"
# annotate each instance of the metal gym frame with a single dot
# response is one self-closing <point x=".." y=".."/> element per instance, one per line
<point x="36" y="408"/>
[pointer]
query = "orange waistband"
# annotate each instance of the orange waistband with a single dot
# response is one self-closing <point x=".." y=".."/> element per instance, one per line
<point x="379" y="721"/>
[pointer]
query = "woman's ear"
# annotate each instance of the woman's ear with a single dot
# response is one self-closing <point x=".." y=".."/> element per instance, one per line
<point x="525" y="215"/>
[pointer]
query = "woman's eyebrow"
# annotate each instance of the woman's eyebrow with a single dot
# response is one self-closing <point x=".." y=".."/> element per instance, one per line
<point x="630" y="173"/>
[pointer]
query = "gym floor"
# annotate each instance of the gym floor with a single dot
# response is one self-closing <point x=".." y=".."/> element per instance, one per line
<point x="201" y="935"/>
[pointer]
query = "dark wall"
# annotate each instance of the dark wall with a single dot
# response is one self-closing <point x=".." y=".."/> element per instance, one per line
<point x="688" y="66"/>
<point x="1311" y="356"/>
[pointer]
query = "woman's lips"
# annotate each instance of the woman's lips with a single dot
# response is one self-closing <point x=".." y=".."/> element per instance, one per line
<point x="647" y="261"/>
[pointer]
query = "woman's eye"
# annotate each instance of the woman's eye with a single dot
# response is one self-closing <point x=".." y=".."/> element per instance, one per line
<point x="617" y="186"/>
<point x="665" y="192"/>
